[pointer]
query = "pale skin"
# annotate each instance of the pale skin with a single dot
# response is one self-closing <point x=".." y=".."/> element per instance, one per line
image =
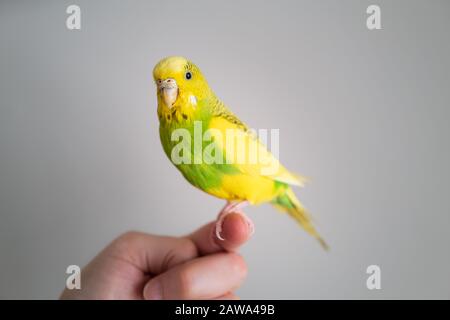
<point x="143" y="266"/>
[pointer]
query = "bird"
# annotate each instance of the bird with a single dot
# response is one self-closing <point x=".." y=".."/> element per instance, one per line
<point x="186" y="105"/>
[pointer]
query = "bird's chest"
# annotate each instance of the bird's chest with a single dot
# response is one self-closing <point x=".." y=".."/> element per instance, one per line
<point x="184" y="144"/>
<point x="180" y="140"/>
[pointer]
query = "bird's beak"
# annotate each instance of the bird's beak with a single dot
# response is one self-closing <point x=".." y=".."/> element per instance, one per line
<point x="169" y="90"/>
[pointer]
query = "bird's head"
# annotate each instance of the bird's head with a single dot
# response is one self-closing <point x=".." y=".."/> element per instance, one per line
<point x="180" y="84"/>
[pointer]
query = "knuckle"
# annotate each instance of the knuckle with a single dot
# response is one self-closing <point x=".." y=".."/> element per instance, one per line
<point x="185" y="283"/>
<point x="238" y="265"/>
<point x="182" y="250"/>
<point x="129" y="236"/>
<point x="188" y="248"/>
<point x="126" y="240"/>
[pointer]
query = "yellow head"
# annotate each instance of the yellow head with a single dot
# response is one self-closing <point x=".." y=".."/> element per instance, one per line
<point x="180" y="85"/>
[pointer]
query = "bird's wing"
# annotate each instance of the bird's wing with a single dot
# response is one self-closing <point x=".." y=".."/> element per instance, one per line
<point x="219" y="110"/>
<point x="251" y="157"/>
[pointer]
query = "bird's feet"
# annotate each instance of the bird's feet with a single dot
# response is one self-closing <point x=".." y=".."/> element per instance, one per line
<point x="233" y="207"/>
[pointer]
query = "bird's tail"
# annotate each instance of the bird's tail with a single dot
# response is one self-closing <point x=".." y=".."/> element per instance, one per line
<point x="289" y="203"/>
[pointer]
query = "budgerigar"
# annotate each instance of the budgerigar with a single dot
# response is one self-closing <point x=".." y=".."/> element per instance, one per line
<point x="187" y="103"/>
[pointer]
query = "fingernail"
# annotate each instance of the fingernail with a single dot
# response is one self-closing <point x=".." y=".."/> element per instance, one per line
<point x="245" y="221"/>
<point x="153" y="290"/>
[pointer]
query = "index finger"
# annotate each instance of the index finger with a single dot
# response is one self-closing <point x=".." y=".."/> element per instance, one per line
<point x="235" y="231"/>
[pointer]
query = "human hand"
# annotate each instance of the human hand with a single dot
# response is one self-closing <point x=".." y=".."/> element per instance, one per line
<point x="143" y="266"/>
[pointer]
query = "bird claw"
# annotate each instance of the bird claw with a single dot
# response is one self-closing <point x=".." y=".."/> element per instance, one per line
<point x="233" y="208"/>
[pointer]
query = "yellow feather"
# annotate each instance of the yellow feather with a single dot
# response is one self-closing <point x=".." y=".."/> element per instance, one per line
<point x="253" y="149"/>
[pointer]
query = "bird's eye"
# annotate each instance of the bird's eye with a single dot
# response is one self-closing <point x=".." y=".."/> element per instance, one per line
<point x="188" y="75"/>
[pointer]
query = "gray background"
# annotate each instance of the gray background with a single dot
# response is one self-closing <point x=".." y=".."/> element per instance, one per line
<point x="363" y="113"/>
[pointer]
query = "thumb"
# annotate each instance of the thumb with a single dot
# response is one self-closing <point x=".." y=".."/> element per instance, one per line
<point x="150" y="253"/>
<point x="235" y="230"/>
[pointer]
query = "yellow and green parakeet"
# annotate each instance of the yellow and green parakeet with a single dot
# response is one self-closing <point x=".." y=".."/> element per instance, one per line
<point x="187" y="104"/>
